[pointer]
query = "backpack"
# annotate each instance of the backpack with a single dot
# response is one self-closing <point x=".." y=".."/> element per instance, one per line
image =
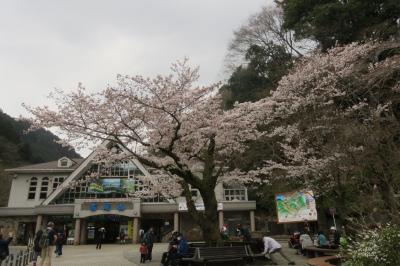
<point x="44" y="239"/>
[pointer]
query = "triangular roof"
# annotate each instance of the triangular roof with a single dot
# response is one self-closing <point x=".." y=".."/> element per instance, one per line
<point x="46" y="167"/>
<point x="82" y="168"/>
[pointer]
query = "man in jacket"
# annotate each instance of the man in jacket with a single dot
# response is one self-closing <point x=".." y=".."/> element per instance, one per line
<point x="271" y="247"/>
<point x="149" y="238"/>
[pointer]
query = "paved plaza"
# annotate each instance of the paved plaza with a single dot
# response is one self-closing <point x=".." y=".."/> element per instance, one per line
<point x="127" y="255"/>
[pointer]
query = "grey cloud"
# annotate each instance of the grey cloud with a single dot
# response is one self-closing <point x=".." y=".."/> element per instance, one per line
<point x="47" y="44"/>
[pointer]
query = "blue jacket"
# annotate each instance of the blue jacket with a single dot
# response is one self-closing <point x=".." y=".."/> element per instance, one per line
<point x="4" y="252"/>
<point x="183" y="247"/>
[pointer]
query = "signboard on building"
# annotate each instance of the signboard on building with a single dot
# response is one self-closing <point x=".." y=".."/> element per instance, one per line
<point x="112" y="185"/>
<point x="297" y="206"/>
<point x="129" y="207"/>
<point x="182" y="206"/>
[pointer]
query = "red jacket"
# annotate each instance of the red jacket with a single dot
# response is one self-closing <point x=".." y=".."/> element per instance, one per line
<point x="143" y="249"/>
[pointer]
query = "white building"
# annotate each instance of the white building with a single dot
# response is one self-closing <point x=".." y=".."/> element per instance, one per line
<point x="58" y="191"/>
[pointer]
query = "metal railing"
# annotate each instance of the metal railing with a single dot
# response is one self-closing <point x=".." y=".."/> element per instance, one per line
<point x="22" y="258"/>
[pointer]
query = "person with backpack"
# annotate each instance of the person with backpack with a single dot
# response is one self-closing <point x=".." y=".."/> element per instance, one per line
<point x="4" y="251"/>
<point x="37" y="249"/>
<point x="47" y="241"/>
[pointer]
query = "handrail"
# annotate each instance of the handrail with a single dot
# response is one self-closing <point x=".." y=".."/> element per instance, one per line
<point x="22" y="258"/>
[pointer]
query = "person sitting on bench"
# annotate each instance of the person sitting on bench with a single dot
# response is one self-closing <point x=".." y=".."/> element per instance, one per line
<point x="322" y="242"/>
<point x="182" y="250"/>
<point x="271" y="246"/>
<point x="172" y="249"/>
<point x="305" y="241"/>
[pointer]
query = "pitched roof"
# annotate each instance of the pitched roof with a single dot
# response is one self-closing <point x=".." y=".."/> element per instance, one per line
<point x="46" y="167"/>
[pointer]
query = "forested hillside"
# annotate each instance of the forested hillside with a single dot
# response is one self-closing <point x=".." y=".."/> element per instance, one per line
<point x="17" y="148"/>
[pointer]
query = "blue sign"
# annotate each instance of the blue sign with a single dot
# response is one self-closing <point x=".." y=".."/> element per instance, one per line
<point x="93" y="206"/>
<point x="107" y="206"/>
<point x="120" y="207"/>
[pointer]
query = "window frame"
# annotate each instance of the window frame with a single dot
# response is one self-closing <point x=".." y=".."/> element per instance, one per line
<point x="42" y="187"/>
<point x="32" y="189"/>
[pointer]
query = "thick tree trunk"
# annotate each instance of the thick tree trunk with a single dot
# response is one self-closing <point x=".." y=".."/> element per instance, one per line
<point x="207" y="220"/>
<point x="210" y="225"/>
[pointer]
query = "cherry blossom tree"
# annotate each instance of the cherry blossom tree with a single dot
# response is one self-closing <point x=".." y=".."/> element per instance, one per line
<point x="336" y="120"/>
<point x="166" y="123"/>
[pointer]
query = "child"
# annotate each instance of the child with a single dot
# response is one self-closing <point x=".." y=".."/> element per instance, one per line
<point x="143" y="252"/>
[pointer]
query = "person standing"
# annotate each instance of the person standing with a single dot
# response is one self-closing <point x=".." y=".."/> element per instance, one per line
<point x="122" y="236"/>
<point x="143" y="252"/>
<point x="271" y="247"/>
<point x="225" y="232"/>
<point x="149" y="238"/>
<point x="335" y="242"/>
<point x="243" y="233"/>
<point x="37" y="249"/>
<point x="59" y="243"/>
<point x="4" y="251"/>
<point x="100" y="237"/>
<point x="47" y="241"/>
<point x="141" y="234"/>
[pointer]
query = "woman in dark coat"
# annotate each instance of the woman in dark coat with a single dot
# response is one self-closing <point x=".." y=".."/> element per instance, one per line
<point x="36" y="246"/>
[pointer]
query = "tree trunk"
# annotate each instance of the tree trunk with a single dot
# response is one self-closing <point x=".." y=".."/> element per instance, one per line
<point x="207" y="220"/>
<point x="210" y="225"/>
<point x="389" y="200"/>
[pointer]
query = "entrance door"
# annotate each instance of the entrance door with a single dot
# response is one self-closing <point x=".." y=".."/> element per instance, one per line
<point x="111" y="223"/>
<point x="160" y="226"/>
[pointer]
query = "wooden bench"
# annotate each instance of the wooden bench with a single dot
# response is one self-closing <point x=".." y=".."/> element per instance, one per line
<point x="207" y="255"/>
<point x="254" y="252"/>
<point x="312" y="251"/>
<point x="321" y="261"/>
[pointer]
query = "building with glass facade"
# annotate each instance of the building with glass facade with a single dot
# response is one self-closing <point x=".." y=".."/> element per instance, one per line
<point x="64" y="192"/>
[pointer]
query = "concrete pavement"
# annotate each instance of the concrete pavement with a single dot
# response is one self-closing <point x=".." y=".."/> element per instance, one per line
<point x="128" y="255"/>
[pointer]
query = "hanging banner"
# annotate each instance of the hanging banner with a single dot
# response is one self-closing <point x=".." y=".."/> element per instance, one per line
<point x="130" y="229"/>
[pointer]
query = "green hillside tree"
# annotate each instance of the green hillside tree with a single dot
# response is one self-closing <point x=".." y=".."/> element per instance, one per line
<point x="332" y="22"/>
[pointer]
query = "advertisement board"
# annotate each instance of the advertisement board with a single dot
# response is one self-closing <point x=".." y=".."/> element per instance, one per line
<point x="112" y="185"/>
<point x="297" y="206"/>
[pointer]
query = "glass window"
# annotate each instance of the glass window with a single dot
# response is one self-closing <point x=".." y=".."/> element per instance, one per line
<point x="234" y="194"/>
<point x="57" y="181"/>
<point x="64" y="163"/>
<point x="44" y="188"/>
<point x="32" y="188"/>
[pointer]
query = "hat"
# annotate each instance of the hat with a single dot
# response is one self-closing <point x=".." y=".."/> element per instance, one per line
<point x="333" y="228"/>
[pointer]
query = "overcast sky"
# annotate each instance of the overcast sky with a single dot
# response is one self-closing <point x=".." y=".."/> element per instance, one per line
<point x="57" y="44"/>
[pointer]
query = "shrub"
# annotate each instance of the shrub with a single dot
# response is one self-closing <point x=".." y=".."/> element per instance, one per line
<point x="375" y="247"/>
